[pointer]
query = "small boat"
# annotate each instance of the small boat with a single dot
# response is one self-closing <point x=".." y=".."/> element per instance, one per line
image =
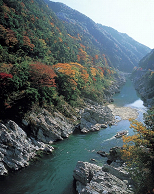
<point x="121" y="133"/>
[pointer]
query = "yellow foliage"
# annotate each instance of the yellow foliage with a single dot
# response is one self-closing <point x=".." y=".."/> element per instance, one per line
<point x="94" y="71"/>
<point x="73" y="70"/>
<point x="5" y="67"/>
<point x="65" y="68"/>
<point x="43" y="43"/>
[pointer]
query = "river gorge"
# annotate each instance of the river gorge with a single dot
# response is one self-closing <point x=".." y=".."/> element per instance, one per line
<point x="54" y="172"/>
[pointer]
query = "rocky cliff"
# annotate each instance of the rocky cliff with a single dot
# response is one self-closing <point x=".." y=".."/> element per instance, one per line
<point x="16" y="149"/>
<point x="47" y="127"/>
<point x="109" y="179"/>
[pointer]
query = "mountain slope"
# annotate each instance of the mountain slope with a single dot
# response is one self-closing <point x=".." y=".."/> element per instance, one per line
<point x="42" y="63"/>
<point x="49" y="62"/>
<point x="123" y="52"/>
<point x="143" y="78"/>
<point x="147" y="62"/>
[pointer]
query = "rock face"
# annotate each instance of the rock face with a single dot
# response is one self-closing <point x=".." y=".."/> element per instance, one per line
<point x="92" y="179"/>
<point x="47" y="127"/>
<point x="16" y="149"/>
<point x="114" y="154"/>
<point x="95" y="117"/>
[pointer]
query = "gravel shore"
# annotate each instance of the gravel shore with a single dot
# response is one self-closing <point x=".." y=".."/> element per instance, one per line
<point x="123" y="113"/>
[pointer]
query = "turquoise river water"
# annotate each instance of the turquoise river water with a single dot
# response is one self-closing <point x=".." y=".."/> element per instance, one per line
<point x="53" y="174"/>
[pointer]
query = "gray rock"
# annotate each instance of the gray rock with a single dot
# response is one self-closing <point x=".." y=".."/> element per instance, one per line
<point x="48" y="127"/>
<point x="95" y="117"/>
<point x="92" y="179"/>
<point x="3" y="170"/>
<point x="115" y="154"/>
<point x="16" y="149"/>
<point x="102" y="153"/>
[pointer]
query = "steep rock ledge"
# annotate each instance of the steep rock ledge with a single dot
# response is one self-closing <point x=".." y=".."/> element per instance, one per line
<point x="96" y="116"/>
<point x="47" y="127"/>
<point x="115" y="86"/>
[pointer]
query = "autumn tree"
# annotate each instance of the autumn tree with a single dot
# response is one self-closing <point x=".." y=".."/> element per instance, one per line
<point x="138" y="152"/>
<point x="42" y="75"/>
<point x="27" y="43"/>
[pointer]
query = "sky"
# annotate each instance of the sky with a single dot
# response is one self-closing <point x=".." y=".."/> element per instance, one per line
<point x="133" y="17"/>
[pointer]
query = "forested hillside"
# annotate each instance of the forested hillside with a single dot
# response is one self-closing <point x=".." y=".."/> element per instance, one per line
<point x="122" y="51"/>
<point x="47" y="61"/>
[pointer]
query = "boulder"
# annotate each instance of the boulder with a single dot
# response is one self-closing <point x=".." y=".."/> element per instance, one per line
<point x="115" y="154"/>
<point x="16" y="149"/>
<point x="92" y="179"/>
<point x="102" y="153"/>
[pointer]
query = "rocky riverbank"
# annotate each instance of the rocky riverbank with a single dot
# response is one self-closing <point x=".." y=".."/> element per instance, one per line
<point x="43" y="128"/>
<point x="108" y="179"/>
<point x="95" y="116"/>
<point x="19" y="143"/>
<point x="93" y="179"/>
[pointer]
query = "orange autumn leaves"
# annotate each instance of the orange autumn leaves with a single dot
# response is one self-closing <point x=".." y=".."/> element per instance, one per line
<point x="74" y="71"/>
<point x="9" y="36"/>
<point x="138" y="142"/>
<point x="138" y="152"/>
<point x="75" y="74"/>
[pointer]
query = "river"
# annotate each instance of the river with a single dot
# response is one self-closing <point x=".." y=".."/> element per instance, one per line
<point x="53" y="174"/>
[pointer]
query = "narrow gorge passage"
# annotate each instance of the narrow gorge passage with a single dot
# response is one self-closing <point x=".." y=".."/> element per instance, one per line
<point x="54" y="173"/>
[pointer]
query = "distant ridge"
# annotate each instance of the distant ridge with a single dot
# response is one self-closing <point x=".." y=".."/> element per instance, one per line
<point x="123" y="51"/>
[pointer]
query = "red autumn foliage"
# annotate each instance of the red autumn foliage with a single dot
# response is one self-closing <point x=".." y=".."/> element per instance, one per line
<point x="5" y="75"/>
<point x="94" y="78"/>
<point x="42" y="75"/>
<point x="4" y="79"/>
